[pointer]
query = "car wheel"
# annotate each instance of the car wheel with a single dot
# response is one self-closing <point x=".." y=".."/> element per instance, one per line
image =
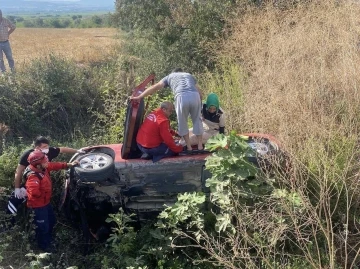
<point x="95" y="167"/>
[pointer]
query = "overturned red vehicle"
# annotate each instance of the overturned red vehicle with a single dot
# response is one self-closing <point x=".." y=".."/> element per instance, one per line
<point x="114" y="176"/>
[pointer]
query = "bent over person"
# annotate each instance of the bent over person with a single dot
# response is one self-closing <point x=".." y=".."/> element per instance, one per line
<point x="155" y="137"/>
<point x="39" y="191"/>
<point x="187" y="102"/>
<point x="6" y="28"/>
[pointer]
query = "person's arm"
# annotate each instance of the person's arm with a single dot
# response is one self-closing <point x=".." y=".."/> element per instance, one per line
<point x="12" y="27"/>
<point x="167" y="137"/>
<point x="222" y="123"/>
<point x="18" y="175"/>
<point x="149" y="91"/>
<point x="61" y="165"/>
<point x="174" y="133"/>
<point x="73" y="151"/>
<point x="67" y="150"/>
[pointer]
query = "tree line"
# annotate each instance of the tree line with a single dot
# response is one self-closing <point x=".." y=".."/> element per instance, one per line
<point x="65" y="21"/>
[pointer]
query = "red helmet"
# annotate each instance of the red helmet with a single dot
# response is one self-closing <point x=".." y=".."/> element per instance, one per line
<point x="37" y="157"/>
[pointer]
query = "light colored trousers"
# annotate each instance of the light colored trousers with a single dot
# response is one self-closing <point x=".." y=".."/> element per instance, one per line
<point x="188" y="104"/>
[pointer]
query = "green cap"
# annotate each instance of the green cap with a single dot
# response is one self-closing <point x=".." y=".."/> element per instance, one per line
<point x="212" y="100"/>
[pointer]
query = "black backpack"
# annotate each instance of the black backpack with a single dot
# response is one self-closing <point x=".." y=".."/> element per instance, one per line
<point x="14" y="202"/>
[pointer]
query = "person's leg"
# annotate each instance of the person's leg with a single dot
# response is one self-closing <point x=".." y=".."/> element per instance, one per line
<point x="145" y="152"/>
<point x="160" y="152"/>
<point x="187" y="141"/>
<point x="42" y="227"/>
<point x="182" y="112"/>
<point x="52" y="221"/>
<point x="195" y="114"/>
<point x="8" y="54"/>
<point x="2" y="65"/>
<point x="192" y="138"/>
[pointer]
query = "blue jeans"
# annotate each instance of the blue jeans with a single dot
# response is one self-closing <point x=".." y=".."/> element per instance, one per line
<point x="157" y="153"/>
<point x="6" y="49"/>
<point x="44" y="220"/>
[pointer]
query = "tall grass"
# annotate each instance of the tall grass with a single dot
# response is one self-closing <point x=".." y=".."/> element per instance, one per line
<point x="302" y="69"/>
<point x="297" y="76"/>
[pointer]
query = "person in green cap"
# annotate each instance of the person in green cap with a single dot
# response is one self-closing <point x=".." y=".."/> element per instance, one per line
<point x="213" y="120"/>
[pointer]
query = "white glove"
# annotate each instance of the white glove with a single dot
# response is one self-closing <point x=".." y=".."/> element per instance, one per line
<point x="20" y="193"/>
<point x="23" y="191"/>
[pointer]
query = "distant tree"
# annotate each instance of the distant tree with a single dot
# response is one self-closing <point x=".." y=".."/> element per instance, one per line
<point x="55" y="23"/>
<point x="19" y="19"/>
<point x="66" y="23"/>
<point x="28" y="23"/>
<point x="77" y="22"/>
<point x="96" y="20"/>
<point x="11" y="18"/>
<point x="107" y="20"/>
<point x="39" y="22"/>
<point x="74" y="17"/>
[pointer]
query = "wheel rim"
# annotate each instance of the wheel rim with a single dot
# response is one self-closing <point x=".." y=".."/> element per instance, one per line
<point x="93" y="162"/>
<point x="260" y="148"/>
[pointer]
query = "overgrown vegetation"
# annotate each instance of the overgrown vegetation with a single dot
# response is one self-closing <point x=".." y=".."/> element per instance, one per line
<point x="289" y="68"/>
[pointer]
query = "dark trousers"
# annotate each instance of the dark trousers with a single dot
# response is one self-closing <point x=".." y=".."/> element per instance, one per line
<point x="157" y="153"/>
<point x="44" y="220"/>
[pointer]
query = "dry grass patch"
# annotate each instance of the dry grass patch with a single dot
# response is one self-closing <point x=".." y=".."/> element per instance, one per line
<point x="81" y="45"/>
<point x="301" y="69"/>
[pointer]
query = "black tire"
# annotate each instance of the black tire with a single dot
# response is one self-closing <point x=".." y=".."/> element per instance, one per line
<point x="95" y="167"/>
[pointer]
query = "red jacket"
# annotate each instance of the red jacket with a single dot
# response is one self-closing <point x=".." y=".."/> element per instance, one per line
<point x="156" y="130"/>
<point x="39" y="191"/>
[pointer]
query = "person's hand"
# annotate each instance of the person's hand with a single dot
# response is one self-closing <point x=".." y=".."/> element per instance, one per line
<point x="20" y="193"/>
<point x="74" y="163"/>
<point x="23" y="191"/>
<point x="135" y="98"/>
<point x="83" y="150"/>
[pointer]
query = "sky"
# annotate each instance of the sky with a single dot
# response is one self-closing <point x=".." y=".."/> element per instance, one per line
<point x="84" y="1"/>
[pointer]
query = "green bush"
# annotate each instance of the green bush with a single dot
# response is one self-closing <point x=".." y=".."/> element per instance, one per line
<point x="53" y="97"/>
<point x="180" y="30"/>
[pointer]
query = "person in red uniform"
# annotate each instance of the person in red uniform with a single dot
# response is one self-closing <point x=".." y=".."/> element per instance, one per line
<point x="39" y="190"/>
<point x="155" y="137"/>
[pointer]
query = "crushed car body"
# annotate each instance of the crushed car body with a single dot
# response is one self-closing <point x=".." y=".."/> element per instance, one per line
<point x="110" y="177"/>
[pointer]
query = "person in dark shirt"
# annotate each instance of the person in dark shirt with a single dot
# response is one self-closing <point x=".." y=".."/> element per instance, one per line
<point x="40" y="143"/>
